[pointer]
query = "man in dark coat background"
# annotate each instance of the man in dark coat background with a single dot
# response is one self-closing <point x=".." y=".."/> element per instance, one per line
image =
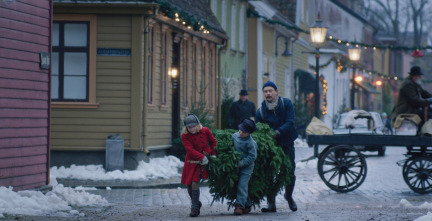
<point x="240" y="110"/>
<point x="279" y="114"/>
<point x="412" y="97"/>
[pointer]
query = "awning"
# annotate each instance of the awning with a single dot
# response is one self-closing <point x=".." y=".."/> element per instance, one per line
<point x="307" y="81"/>
<point x="368" y="87"/>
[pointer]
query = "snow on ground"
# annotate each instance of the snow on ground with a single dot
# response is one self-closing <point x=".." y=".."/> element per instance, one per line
<point x="153" y="169"/>
<point x="303" y="151"/>
<point x="164" y="168"/>
<point x="59" y="201"/>
<point x="428" y="217"/>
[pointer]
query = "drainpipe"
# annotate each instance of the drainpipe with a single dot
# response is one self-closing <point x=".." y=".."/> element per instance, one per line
<point x="145" y="94"/>
<point x="293" y="92"/>
<point x="219" y="109"/>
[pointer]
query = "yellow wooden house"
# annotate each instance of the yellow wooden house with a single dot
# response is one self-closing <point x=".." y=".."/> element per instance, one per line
<point x="133" y="68"/>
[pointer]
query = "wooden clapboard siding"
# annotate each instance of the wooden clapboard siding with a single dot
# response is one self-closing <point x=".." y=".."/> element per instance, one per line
<point x="24" y="182"/>
<point x="25" y="28"/>
<point x="159" y="117"/>
<point x="23" y="151"/>
<point x="87" y="129"/>
<point x="91" y="129"/>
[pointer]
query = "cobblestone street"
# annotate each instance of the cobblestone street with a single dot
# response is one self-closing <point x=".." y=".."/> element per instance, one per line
<point x="377" y="198"/>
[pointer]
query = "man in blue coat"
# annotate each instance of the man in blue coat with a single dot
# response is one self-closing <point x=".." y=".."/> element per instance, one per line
<point x="279" y="114"/>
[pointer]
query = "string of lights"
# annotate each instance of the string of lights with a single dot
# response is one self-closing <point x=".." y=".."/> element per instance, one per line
<point x="336" y="40"/>
<point x="184" y="18"/>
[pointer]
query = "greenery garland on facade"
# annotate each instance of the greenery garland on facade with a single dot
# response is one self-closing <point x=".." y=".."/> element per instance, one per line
<point x="270" y="173"/>
<point x="190" y="21"/>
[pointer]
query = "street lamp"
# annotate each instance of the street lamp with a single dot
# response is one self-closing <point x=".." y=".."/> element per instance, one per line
<point x="354" y="56"/>
<point x="286" y="53"/>
<point x="318" y="35"/>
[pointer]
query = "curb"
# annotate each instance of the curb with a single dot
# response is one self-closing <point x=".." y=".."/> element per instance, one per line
<point x="171" y="183"/>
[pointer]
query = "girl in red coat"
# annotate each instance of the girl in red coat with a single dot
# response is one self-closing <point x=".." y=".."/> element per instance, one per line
<point x="198" y="141"/>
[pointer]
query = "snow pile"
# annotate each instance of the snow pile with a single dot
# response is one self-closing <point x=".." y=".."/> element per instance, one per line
<point x="406" y="204"/>
<point x="303" y="148"/>
<point x="58" y="201"/>
<point x="301" y="143"/>
<point x="164" y="167"/>
<point x="428" y="217"/>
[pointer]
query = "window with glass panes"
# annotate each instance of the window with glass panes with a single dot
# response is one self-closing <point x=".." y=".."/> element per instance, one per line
<point x="70" y="61"/>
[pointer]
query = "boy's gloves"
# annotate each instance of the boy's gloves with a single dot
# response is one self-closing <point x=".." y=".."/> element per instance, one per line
<point x="204" y="161"/>
<point x="240" y="164"/>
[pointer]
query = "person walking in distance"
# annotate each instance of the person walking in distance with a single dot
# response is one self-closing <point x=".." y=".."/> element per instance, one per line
<point x="240" y="110"/>
<point x="279" y="114"/>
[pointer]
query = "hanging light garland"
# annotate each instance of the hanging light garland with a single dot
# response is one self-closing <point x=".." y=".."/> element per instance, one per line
<point x="184" y="18"/>
<point x="324" y="95"/>
<point x="254" y="13"/>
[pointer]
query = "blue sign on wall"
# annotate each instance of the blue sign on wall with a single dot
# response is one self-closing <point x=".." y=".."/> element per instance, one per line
<point x="113" y="52"/>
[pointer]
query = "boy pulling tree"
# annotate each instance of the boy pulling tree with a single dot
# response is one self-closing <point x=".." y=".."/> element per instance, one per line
<point x="246" y="145"/>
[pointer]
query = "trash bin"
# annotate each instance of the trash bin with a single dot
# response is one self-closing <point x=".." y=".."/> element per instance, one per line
<point x="114" y="153"/>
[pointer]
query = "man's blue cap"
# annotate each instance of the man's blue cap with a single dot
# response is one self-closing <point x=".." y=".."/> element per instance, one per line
<point x="269" y="84"/>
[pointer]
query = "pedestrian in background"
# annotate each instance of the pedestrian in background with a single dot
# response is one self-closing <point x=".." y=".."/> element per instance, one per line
<point x="198" y="142"/>
<point x="387" y="122"/>
<point x="240" y="110"/>
<point x="279" y="114"/>
<point x="412" y="98"/>
<point x="246" y="145"/>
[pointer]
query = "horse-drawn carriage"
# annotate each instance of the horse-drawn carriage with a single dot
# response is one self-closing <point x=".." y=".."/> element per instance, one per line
<point x="343" y="168"/>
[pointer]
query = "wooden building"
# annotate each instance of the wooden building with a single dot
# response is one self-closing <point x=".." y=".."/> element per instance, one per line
<point x="114" y="74"/>
<point x="25" y="47"/>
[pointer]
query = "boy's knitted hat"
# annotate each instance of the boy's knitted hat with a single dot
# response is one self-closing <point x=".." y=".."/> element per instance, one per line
<point x="247" y="126"/>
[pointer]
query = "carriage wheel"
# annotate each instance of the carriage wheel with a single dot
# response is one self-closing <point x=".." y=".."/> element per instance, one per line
<point x="342" y="168"/>
<point x="418" y="174"/>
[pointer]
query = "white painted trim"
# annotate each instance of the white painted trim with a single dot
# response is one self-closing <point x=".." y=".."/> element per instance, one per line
<point x="259" y="61"/>
<point x="287" y="78"/>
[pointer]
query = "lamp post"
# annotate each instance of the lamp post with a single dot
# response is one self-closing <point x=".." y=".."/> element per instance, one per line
<point x="318" y="34"/>
<point x="354" y="56"/>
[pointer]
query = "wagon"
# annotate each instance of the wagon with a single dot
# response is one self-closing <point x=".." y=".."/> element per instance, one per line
<point x="343" y="168"/>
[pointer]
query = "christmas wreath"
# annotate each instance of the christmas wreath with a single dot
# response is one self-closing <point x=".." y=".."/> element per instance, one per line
<point x="270" y="171"/>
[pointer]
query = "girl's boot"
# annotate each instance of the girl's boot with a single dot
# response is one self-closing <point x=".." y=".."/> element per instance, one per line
<point x="195" y="209"/>
<point x="190" y="195"/>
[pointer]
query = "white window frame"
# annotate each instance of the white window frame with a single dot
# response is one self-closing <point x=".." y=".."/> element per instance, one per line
<point x="233" y="26"/>
<point x="223" y="16"/>
<point x="214" y="6"/>
<point x="242" y="28"/>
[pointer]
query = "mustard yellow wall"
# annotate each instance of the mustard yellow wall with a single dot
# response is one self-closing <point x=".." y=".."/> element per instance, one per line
<point x="252" y="58"/>
<point x="87" y="128"/>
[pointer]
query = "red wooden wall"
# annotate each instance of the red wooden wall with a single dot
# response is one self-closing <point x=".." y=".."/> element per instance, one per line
<point x="25" y="30"/>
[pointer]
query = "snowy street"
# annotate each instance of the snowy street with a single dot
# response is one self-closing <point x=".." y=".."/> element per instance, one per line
<point x="383" y="196"/>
